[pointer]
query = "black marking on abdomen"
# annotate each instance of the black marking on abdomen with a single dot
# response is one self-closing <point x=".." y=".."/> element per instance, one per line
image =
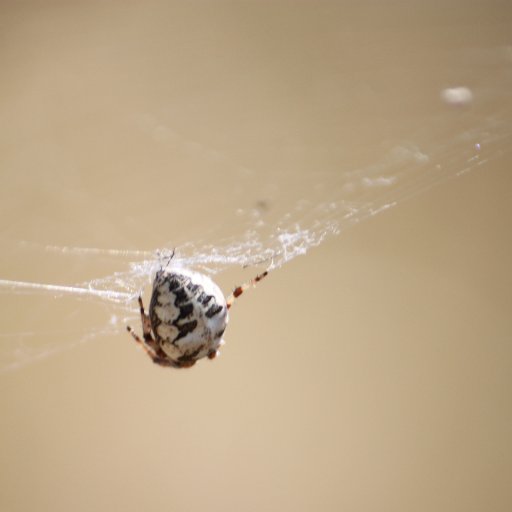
<point x="173" y="284"/>
<point x="214" y="310"/>
<point x="193" y="287"/>
<point x="185" y="328"/>
<point x="185" y="311"/>
<point x="204" y="299"/>
<point x="173" y="280"/>
<point x="181" y="296"/>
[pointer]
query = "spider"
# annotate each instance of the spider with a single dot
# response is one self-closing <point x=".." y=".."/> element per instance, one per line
<point x="188" y="315"/>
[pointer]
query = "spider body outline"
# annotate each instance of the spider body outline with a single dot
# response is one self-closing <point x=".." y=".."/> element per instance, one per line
<point x="188" y="315"/>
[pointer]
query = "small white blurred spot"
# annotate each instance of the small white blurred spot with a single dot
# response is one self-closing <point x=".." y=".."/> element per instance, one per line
<point x="457" y="96"/>
<point x="380" y="181"/>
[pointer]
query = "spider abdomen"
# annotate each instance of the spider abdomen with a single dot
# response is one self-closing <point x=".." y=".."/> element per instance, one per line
<point x="188" y="315"/>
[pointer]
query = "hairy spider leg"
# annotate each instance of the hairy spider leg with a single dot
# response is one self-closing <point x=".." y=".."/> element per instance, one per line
<point x="149" y="350"/>
<point x="148" y="343"/>
<point x="241" y="289"/>
<point x="146" y="325"/>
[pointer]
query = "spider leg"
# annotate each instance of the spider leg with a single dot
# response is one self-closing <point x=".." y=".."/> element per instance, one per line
<point x="146" y="324"/>
<point x="241" y="289"/>
<point x="148" y="344"/>
<point x="149" y="349"/>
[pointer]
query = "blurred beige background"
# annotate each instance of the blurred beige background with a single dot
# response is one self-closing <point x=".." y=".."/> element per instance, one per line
<point x="372" y="374"/>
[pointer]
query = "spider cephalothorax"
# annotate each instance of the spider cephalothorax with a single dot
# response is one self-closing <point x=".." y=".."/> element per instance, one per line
<point x="187" y="317"/>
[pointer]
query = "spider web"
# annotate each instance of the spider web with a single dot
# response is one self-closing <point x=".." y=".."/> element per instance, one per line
<point x="298" y="215"/>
